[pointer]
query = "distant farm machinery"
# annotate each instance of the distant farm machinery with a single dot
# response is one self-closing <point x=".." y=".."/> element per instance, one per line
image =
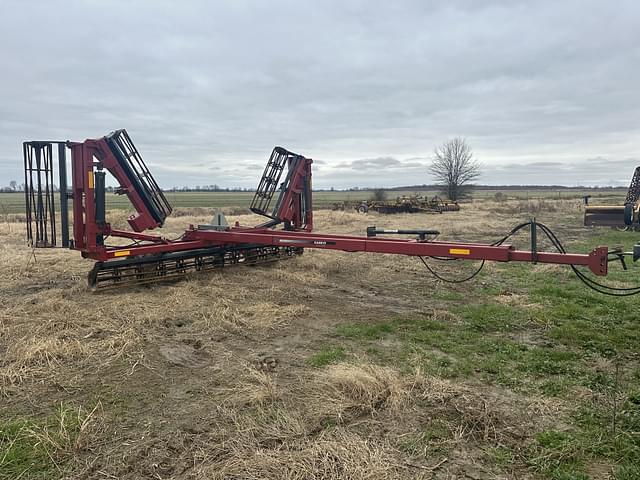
<point x="148" y="257"/>
<point x="621" y="217"/>
<point x="406" y="204"/>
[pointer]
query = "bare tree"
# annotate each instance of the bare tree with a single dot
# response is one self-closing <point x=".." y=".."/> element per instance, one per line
<point x="13" y="185"/>
<point x="454" y="167"/>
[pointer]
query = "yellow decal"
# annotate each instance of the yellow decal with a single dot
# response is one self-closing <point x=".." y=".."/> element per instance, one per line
<point x="90" y="175"/>
<point x="459" y="251"/>
<point x="122" y="253"/>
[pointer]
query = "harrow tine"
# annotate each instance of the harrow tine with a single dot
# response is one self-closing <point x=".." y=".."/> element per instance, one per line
<point x="163" y="268"/>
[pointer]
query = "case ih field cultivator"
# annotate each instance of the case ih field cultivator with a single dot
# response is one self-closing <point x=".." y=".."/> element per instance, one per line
<point x="286" y="204"/>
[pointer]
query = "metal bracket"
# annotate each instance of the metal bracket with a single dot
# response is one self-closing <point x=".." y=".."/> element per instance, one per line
<point x="534" y="241"/>
<point x="422" y="234"/>
<point x="218" y="223"/>
<point x="616" y="255"/>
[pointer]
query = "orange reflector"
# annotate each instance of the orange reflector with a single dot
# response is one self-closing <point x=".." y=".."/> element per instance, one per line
<point x="459" y="251"/>
<point x="122" y="253"/>
<point x="90" y="175"/>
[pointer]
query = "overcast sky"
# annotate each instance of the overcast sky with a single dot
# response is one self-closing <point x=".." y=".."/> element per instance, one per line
<point x="545" y="92"/>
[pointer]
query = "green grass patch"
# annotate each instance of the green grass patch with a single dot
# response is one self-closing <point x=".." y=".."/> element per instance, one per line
<point x="602" y="432"/>
<point x="502" y="457"/>
<point x="327" y="356"/>
<point x="489" y="317"/>
<point x="558" y="456"/>
<point x="371" y="331"/>
<point x="476" y="345"/>
<point x="40" y="448"/>
<point x="434" y="439"/>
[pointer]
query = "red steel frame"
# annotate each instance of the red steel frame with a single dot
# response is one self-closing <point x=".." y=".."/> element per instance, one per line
<point x="91" y="153"/>
<point x="291" y="210"/>
<point x="85" y="157"/>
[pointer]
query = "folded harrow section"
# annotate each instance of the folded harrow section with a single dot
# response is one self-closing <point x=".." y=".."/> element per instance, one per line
<point x="40" y="158"/>
<point x="139" y="176"/>
<point x="269" y="181"/>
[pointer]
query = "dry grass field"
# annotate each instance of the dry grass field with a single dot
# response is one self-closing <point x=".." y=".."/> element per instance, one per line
<point x="328" y="366"/>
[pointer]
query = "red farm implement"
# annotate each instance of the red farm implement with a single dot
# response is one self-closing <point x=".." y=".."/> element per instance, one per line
<point x="286" y="204"/>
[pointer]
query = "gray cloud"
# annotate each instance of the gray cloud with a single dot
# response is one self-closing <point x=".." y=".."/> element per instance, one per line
<point x="206" y="89"/>
<point x="370" y="163"/>
<point x="590" y="172"/>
